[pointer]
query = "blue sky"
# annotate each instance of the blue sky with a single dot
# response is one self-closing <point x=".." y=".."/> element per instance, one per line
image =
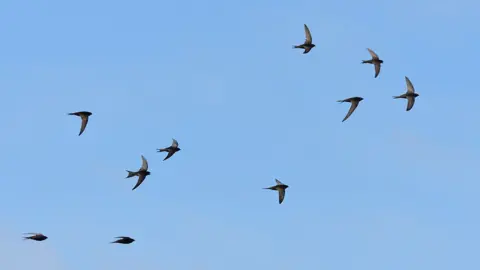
<point x="387" y="189"/>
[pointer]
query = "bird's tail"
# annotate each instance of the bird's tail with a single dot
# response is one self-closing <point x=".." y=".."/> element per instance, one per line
<point x="366" y="61"/>
<point x="131" y="174"/>
<point x="162" y="150"/>
<point x="341" y="101"/>
<point x="297" y="47"/>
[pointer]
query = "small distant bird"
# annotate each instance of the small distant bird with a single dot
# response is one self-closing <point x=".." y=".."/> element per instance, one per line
<point x="84" y="115"/>
<point x="410" y="95"/>
<point x="123" y="240"/>
<point x="280" y="187"/>
<point x="375" y="61"/>
<point x="141" y="173"/>
<point x="171" y="149"/>
<point x="307" y="45"/>
<point x="35" y="236"/>
<point x="355" y="101"/>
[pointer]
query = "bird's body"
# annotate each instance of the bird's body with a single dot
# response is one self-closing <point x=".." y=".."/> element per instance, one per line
<point x="410" y="95"/>
<point x="123" y="240"/>
<point x="376" y="61"/>
<point x="84" y="115"/>
<point x="280" y="187"/>
<point x="171" y="149"/>
<point x="141" y="173"/>
<point x="354" y="101"/>
<point x="307" y="45"/>
<point x="35" y="236"/>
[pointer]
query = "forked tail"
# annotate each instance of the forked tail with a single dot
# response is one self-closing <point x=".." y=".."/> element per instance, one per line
<point x="130" y="174"/>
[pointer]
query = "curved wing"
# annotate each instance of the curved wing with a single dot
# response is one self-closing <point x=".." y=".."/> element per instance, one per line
<point x="278" y="182"/>
<point x="373" y="54"/>
<point x="377" y="69"/>
<point x="351" y="110"/>
<point x="308" y="35"/>
<point x="144" y="164"/>
<point x="84" y="124"/>
<point x="170" y="153"/>
<point x="411" y="101"/>
<point x="281" y="195"/>
<point x="141" y="178"/>
<point x="410" y="88"/>
<point x="174" y="143"/>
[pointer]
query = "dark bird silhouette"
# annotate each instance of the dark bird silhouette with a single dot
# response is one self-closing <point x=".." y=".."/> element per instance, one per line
<point x="141" y="173"/>
<point x="171" y="149"/>
<point x="84" y="115"/>
<point x="35" y="236"/>
<point x="307" y="45"/>
<point x="355" y="101"/>
<point x="123" y="240"/>
<point x="280" y="187"/>
<point x="410" y="95"/>
<point x="375" y="61"/>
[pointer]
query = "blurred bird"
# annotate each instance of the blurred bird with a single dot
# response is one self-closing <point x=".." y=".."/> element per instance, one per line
<point x="307" y="45"/>
<point x="35" y="236"/>
<point x="123" y="240"/>
<point x="141" y="173"/>
<point x="410" y="95"/>
<point x="375" y="61"/>
<point x="355" y="101"/>
<point x="84" y="115"/>
<point x="171" y="149"/>
<point x="280" y="187"/>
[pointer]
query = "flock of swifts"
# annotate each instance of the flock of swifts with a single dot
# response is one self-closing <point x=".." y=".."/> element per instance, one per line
<point x="143" y="172"/>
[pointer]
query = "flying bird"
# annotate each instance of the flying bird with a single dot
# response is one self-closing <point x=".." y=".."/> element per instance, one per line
<point x="355" y="101"/>
<point x="410" y="95"/>
<point x="280" y="187"/>
<point x="171" y="149"/>
<point x="141" y="173"/>
<point x="84" y="115"/>
<point x="375" y="61"/>
<point x="307" y="45"/>
<point x="35" y="236"/>
<point x="123" y="240"/>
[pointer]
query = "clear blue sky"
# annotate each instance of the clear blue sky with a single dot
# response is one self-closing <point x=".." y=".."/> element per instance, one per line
<point x="387" y="189"/>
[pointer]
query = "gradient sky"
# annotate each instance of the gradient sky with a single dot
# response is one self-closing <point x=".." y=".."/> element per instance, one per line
<point x="387" y="189"/>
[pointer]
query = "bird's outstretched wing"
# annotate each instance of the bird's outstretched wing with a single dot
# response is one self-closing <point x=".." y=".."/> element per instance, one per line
<point x="308" y="35"/>
<point x="140" y="180"/>
<point x="174" y="143"/>
<point x="281" y="195"/>
<point x="144" y="164"/>
<point x="410" y="88"/>
<point x="373" y="54"/>
<point x="411" y="101"/>
<point x="351" y="110"/>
